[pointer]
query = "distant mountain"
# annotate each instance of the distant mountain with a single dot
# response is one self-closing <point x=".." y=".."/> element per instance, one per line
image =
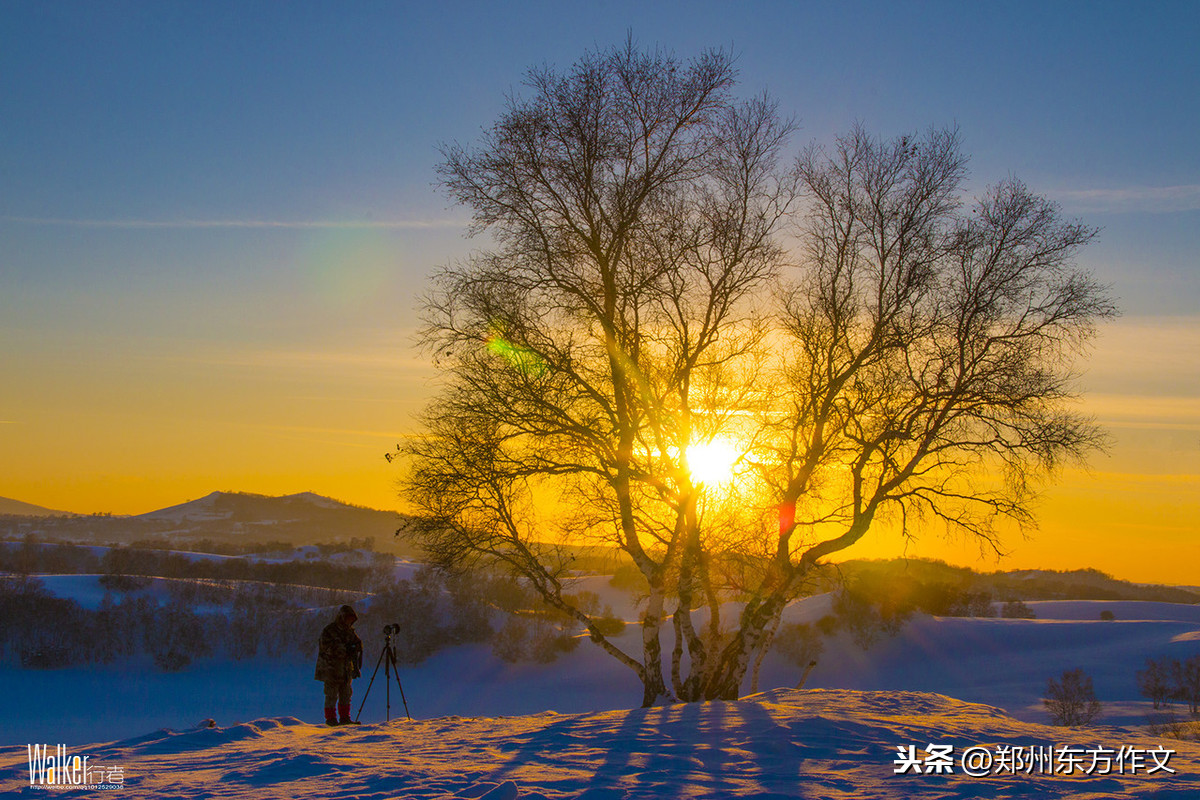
<point x="17" y="508"/>
<point x="296" y="519"/>
<point x="245" y="507"/>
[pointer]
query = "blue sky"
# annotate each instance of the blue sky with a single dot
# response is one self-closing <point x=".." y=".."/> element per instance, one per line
<point x="216" y="217"/>
<point x="301" y="113"/>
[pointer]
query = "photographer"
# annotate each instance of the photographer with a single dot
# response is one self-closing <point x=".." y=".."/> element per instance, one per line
<point x="339" y="661"/>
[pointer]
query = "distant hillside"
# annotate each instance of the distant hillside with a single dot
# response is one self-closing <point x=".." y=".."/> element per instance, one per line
<point x="297" y="519"/>
<point x="1080" y="584"/>
<point x="17" y="508"/>
<point x="1083" y="584"/>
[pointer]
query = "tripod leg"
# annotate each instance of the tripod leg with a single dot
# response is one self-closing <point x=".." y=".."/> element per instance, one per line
<point x="387" y="681"/>
<point x="369" y="685"/>
<point x="403" y="699"/>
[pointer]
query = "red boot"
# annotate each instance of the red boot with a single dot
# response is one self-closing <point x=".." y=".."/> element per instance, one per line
<point x="330" y="716"/>
<point x="344" y="715"/>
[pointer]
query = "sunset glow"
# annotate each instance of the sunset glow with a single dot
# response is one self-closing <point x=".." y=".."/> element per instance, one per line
<point x="213" y="237"/>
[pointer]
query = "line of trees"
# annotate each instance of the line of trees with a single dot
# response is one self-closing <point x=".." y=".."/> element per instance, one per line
<point x="40" y="631"/>
<point x="1171" y="679"/>
<point x="663" y="282"/>
<point x="175" y="622"/>
<point x="1071" y="698"/>
<point x="32" y="557"/>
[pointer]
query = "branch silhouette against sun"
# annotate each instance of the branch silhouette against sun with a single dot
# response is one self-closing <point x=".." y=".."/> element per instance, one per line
<point x="638" y="362"/>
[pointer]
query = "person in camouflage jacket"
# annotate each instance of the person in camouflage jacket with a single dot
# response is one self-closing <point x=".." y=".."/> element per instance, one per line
<point x="339" y="661"/>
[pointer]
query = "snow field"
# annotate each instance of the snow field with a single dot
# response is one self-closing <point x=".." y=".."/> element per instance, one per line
<point x="486" y="728"/>
<point x="826" y="744"/>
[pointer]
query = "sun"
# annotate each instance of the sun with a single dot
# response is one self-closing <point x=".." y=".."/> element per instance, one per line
<point x="712" y="462"/>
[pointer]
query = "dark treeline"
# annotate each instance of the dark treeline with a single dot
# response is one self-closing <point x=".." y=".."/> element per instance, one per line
<point x="173" y="621"/>
<point x="41" y="631"/>
<point x="31" y="557"/>
<point x="908" y="576"/>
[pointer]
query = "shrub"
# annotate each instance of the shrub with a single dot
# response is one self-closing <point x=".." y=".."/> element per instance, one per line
<point x="1016" y="609"/>
<point x="979" y="604"/>
<point x="176" y="636"/>
<point x="525" y="639"/>
<point x="971" y="604"/>
<point x="867" y="617"/>
<point x="859" y="617"/>
<point x="1172" y="727"/>
<point x="1071" y="700"/>
<point x="510" y="642"/>
<point x="799" y="643"/>
<point x="585" y="600"/>
<point x="609" y="625"/>
<point x="548" y="644"/>
<point x="1186" y="675"/>
<point x="631" y="579"/>
<point x="938" y="599"/>
<point x="1170" y="678"/>
<point x="416" y="603"/>
<point x="1154" y="682"/>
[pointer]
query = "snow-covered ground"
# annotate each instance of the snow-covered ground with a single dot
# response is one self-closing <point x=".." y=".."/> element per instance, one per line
<point x="781" y="744"/>
<point x="1000" y="662"/>
<point x="566" y="729"/>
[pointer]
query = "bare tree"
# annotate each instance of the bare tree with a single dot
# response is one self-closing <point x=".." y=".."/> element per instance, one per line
<point x="633" y="309"/>
<point x="930" y="361"/>
<point x="1154" y="682"/>
<point x="613" y="326"/>
<point x="1071" y="700"/>
<point x="1186" y="675"/>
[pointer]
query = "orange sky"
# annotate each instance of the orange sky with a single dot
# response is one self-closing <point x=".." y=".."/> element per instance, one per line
<point x="139" y="431"/>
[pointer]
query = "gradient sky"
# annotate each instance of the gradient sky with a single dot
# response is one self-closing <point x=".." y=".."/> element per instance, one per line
<point x="215" y="219"/>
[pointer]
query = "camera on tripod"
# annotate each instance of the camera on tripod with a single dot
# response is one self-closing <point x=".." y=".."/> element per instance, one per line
<point x="391" y="669"/>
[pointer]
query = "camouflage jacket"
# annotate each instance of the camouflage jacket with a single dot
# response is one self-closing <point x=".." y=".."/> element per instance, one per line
<point x="339" y="657"/>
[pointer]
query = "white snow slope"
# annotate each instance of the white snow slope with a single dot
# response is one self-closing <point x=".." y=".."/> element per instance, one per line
<point x="825" y="744"/>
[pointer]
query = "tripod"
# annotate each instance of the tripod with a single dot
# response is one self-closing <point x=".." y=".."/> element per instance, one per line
<point x="388" y="659"/>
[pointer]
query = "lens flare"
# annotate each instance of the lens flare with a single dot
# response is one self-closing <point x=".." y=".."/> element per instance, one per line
<point x="520" y="358"/>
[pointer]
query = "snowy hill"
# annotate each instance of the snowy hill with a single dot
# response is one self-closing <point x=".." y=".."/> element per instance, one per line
<point x="780" y="744"/>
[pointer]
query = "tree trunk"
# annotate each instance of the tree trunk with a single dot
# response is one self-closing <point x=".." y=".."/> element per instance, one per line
<point x="762" y="651"/>
<point x="804" y="677"/>
<point x="653" y="685"/>
<point x="726" y="674"/>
